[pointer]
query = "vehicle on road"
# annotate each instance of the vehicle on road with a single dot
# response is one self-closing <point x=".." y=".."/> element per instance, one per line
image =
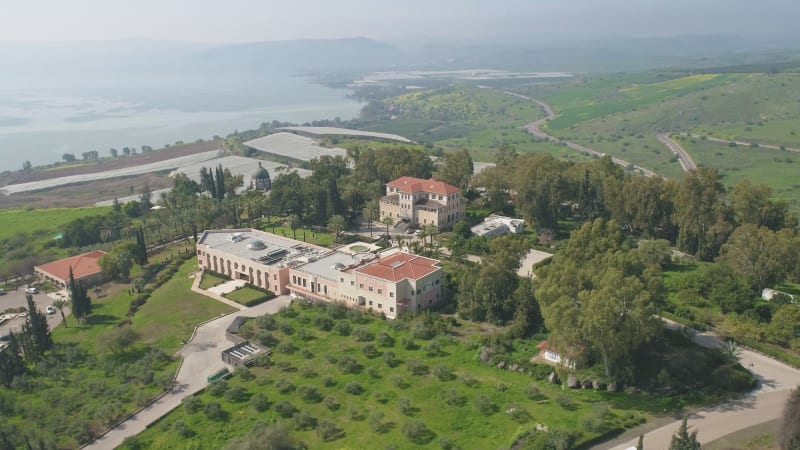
<point x="50" y="310"/>
<point x="31" y="290"/>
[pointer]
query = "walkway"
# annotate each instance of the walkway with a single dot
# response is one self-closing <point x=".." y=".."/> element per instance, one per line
<point x="214" y="293"/>
<point x="201" y="358"/>
<point x="535" y="128"/>
<point x="764" y="404"/>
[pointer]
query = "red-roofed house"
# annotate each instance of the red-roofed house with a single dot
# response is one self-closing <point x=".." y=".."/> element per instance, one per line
<point x="550" y="354"/>
<point x="422" y="202"/>
<point x="85" y="268"/>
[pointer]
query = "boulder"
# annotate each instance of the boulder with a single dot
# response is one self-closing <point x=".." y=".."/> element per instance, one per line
<point x="501" y="364"/>
<point x="572" y="382"/>
<point x="553" y="378"/>
<point x="513" y="367"/>
<point x="612" y="387"/>
<point x="587" y="384"/>
<point x="599" y="385"/>
<point x="631" y="390"/>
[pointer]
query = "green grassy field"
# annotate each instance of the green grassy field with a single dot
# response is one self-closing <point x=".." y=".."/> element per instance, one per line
<point x="312" y="237"/>
<point x="42" y="223"/>
<point x="774" y="132"/>
<point x="247" y="296"/>
<point x="348" y="379"/>
<point x="775" y="168"/>
<point x="210" y="280"/>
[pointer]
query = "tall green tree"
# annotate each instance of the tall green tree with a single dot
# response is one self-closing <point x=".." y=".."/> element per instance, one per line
<point x="455" y="168"/>
<point x="758" y="255"/>
<point x="81" y="303"/>
<point x="11" y="362"/>
<point x="337" y="224"/>
<point x="598" y="295"/>
<point x="701" y="214"/>
<point x="683" y="440"/>
<point x="37" y="331"/>
<point x="371" y="213"/>
<point x="753" y="204"/>
<point x="59" y="304"/>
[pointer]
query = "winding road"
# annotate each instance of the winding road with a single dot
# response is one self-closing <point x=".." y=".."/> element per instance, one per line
<point x="745" y="143"/>
<point x="535" y="129"/>
<point x="687" y="163"/>
<point x="764" y="404"/>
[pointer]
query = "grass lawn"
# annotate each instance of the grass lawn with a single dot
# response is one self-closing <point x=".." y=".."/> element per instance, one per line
<point x="305" y="235"/>
<point x="247" y="296"/>
<point x="348" y="379"/>
<point x="210" y="280"/>
<point x="44" y="224"/>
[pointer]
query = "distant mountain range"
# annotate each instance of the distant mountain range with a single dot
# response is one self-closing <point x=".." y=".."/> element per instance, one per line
<point x="124" y="59"/>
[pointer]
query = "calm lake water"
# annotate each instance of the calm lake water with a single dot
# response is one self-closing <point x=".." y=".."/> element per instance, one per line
<point x="41" y="122"/>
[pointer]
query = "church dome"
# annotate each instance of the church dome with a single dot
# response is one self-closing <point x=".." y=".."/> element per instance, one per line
<point x="261" y="173"/>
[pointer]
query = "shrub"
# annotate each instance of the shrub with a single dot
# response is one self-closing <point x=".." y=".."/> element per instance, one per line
<point x="443" y="373"/>
<point x="267" y="322"/>
<point x="385" y="339"/>
<point x="284" y="386"/>
<point x="362" y="334"/>
<point x="404" y="405"/>
<point x="353" y="388"/>
<point x="308" y="372"/>
<point x="218" y="388"/>
<point x="286" y="328"/>
<point x="376" y="422"/>
<point x="331" y="403"/>
<point x="452" y="397"/>
<point x="416" y="366"/>
<point x="500" y="387"/>
<point x="433" y="348"/>
<point x="532" y="392"/>
<point x="192" y="404"/>
<point x="408" y="342"/>
<point x="370" y="351"/>
<point x="182" y="429"/>
<point x="389" y="358"/>
<point x="447" y="444"/>
<point x="399" y="381"/>
<point x="259" y="402"/>
<point x="245" y="374"/>
<point x="309" y="393"/>
<point x="518" y="413"/>
<point x="284" y="408"/>
<point x="348" y="364"/>
<point x="304" y="421"/>
<point x="327" y="430"/>
<point x="307" y="354"/>
<point x="563" y="400"/>
<point x="323" y="323"/>
<point x="732" y="378"/>
<point x="286" y="348"/>
<point x="235" y="394"/>
<point x="285" y="366"/>
<point x="469" y="380"/>
<point x="417" y="432"/>
<point x="337" y="310"/>
<point x="328" y="381"/>
<point x="342" y="327"/>
<point x="483" y="404"/>
<point x="304" y="335"/>
<point x="266" y="338"/>
<point x="374" y="372"/>
<point x="213" y="411"/>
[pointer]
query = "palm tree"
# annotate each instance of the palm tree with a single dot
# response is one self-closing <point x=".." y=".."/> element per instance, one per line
<point x="60" y="304"/>
<point x="731" y="350"/>
<point x="337" y="224"/>
<point x="387" y="221"/>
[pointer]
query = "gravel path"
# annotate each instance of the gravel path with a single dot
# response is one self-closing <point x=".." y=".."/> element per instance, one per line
<point x="687" y="163"/>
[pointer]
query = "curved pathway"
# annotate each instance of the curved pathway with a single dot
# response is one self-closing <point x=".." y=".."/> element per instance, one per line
<point x="764" y="404"/>
<point x="746" y="144"/>
<point x="201" y="358"/>
<point x="535" y="128"/>
<point x="687" y="163"/>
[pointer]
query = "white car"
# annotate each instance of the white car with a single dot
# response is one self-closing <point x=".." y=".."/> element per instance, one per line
<point x="31" y="290"/>
<point x="50" y="310"/>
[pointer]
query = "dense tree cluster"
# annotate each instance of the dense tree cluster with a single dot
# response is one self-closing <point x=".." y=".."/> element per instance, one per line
<point x="29" y="346"/>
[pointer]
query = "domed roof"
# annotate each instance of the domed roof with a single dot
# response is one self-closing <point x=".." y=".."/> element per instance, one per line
<point x="256" y="245"/>
<point x="261" y="172"/>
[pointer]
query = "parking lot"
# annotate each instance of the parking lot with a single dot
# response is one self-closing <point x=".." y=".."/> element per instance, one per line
<point x="16" y="299"/>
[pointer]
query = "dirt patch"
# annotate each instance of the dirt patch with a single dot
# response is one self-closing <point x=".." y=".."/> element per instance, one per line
<point x="112" y="164"/>
<point x="86" y="194"/>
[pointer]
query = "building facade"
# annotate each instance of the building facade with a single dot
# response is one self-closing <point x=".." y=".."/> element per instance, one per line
<point x="85" y="269"/>
<point x="391" y="284"/>
<point x="495" y="225"/>
<point x="423" y="202"/>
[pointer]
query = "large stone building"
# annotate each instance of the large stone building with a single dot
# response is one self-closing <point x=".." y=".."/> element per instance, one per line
<point x="422" y="202"/>
<point x="391" y="284"/>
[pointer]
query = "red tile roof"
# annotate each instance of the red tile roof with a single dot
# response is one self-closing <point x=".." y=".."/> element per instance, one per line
<point x="400" y="266"/>
<point x="82" y="266"/>
<point x="411" y="185"/>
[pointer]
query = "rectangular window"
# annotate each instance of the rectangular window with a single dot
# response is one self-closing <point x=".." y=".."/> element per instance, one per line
<point x="370" y="288"/>
<point x="380" y="291"/>
<point x="352" y="283"/>
<point x="391" y="309"/>
<point x="370" y="303"/>
<point x="380" y="306"/>
<point x="361" y="285"/>
<point x="275" y="276"/>
<point x="341" y="280"/>
<point x="391" y="294"/>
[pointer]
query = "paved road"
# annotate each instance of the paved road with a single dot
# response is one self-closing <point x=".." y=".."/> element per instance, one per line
<point x="746" y="144"/>
<point x="762" y="405"/>
<point x="687" y="163"/>
<point x="201" y="358"/>
<point x="535" y="128"/>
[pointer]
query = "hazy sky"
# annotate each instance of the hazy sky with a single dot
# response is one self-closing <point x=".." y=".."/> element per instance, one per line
<point x="253" y="20"/>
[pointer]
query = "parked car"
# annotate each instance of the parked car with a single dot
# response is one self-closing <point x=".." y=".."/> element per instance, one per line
<point x="31" y="290"/>
<point x="2" y="291"/>
<point x="50" y="310"/>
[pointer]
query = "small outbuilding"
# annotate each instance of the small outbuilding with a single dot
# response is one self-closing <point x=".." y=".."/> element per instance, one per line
<point x="495" y="225"/>
<point x="548" y="353"/>
<point x="85" y="269"/>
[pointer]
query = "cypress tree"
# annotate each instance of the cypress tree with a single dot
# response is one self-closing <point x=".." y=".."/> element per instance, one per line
<point x="81" y="304"/>
<point x="141" y="247"/>
<point x="11" y="363"/>
<point x="220" y="183"/>
<point x="37" y="329"/>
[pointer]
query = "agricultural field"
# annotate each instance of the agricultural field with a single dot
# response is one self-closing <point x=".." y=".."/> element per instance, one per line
<point x="775" y="168"/>
<point x="343" y="379"/>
